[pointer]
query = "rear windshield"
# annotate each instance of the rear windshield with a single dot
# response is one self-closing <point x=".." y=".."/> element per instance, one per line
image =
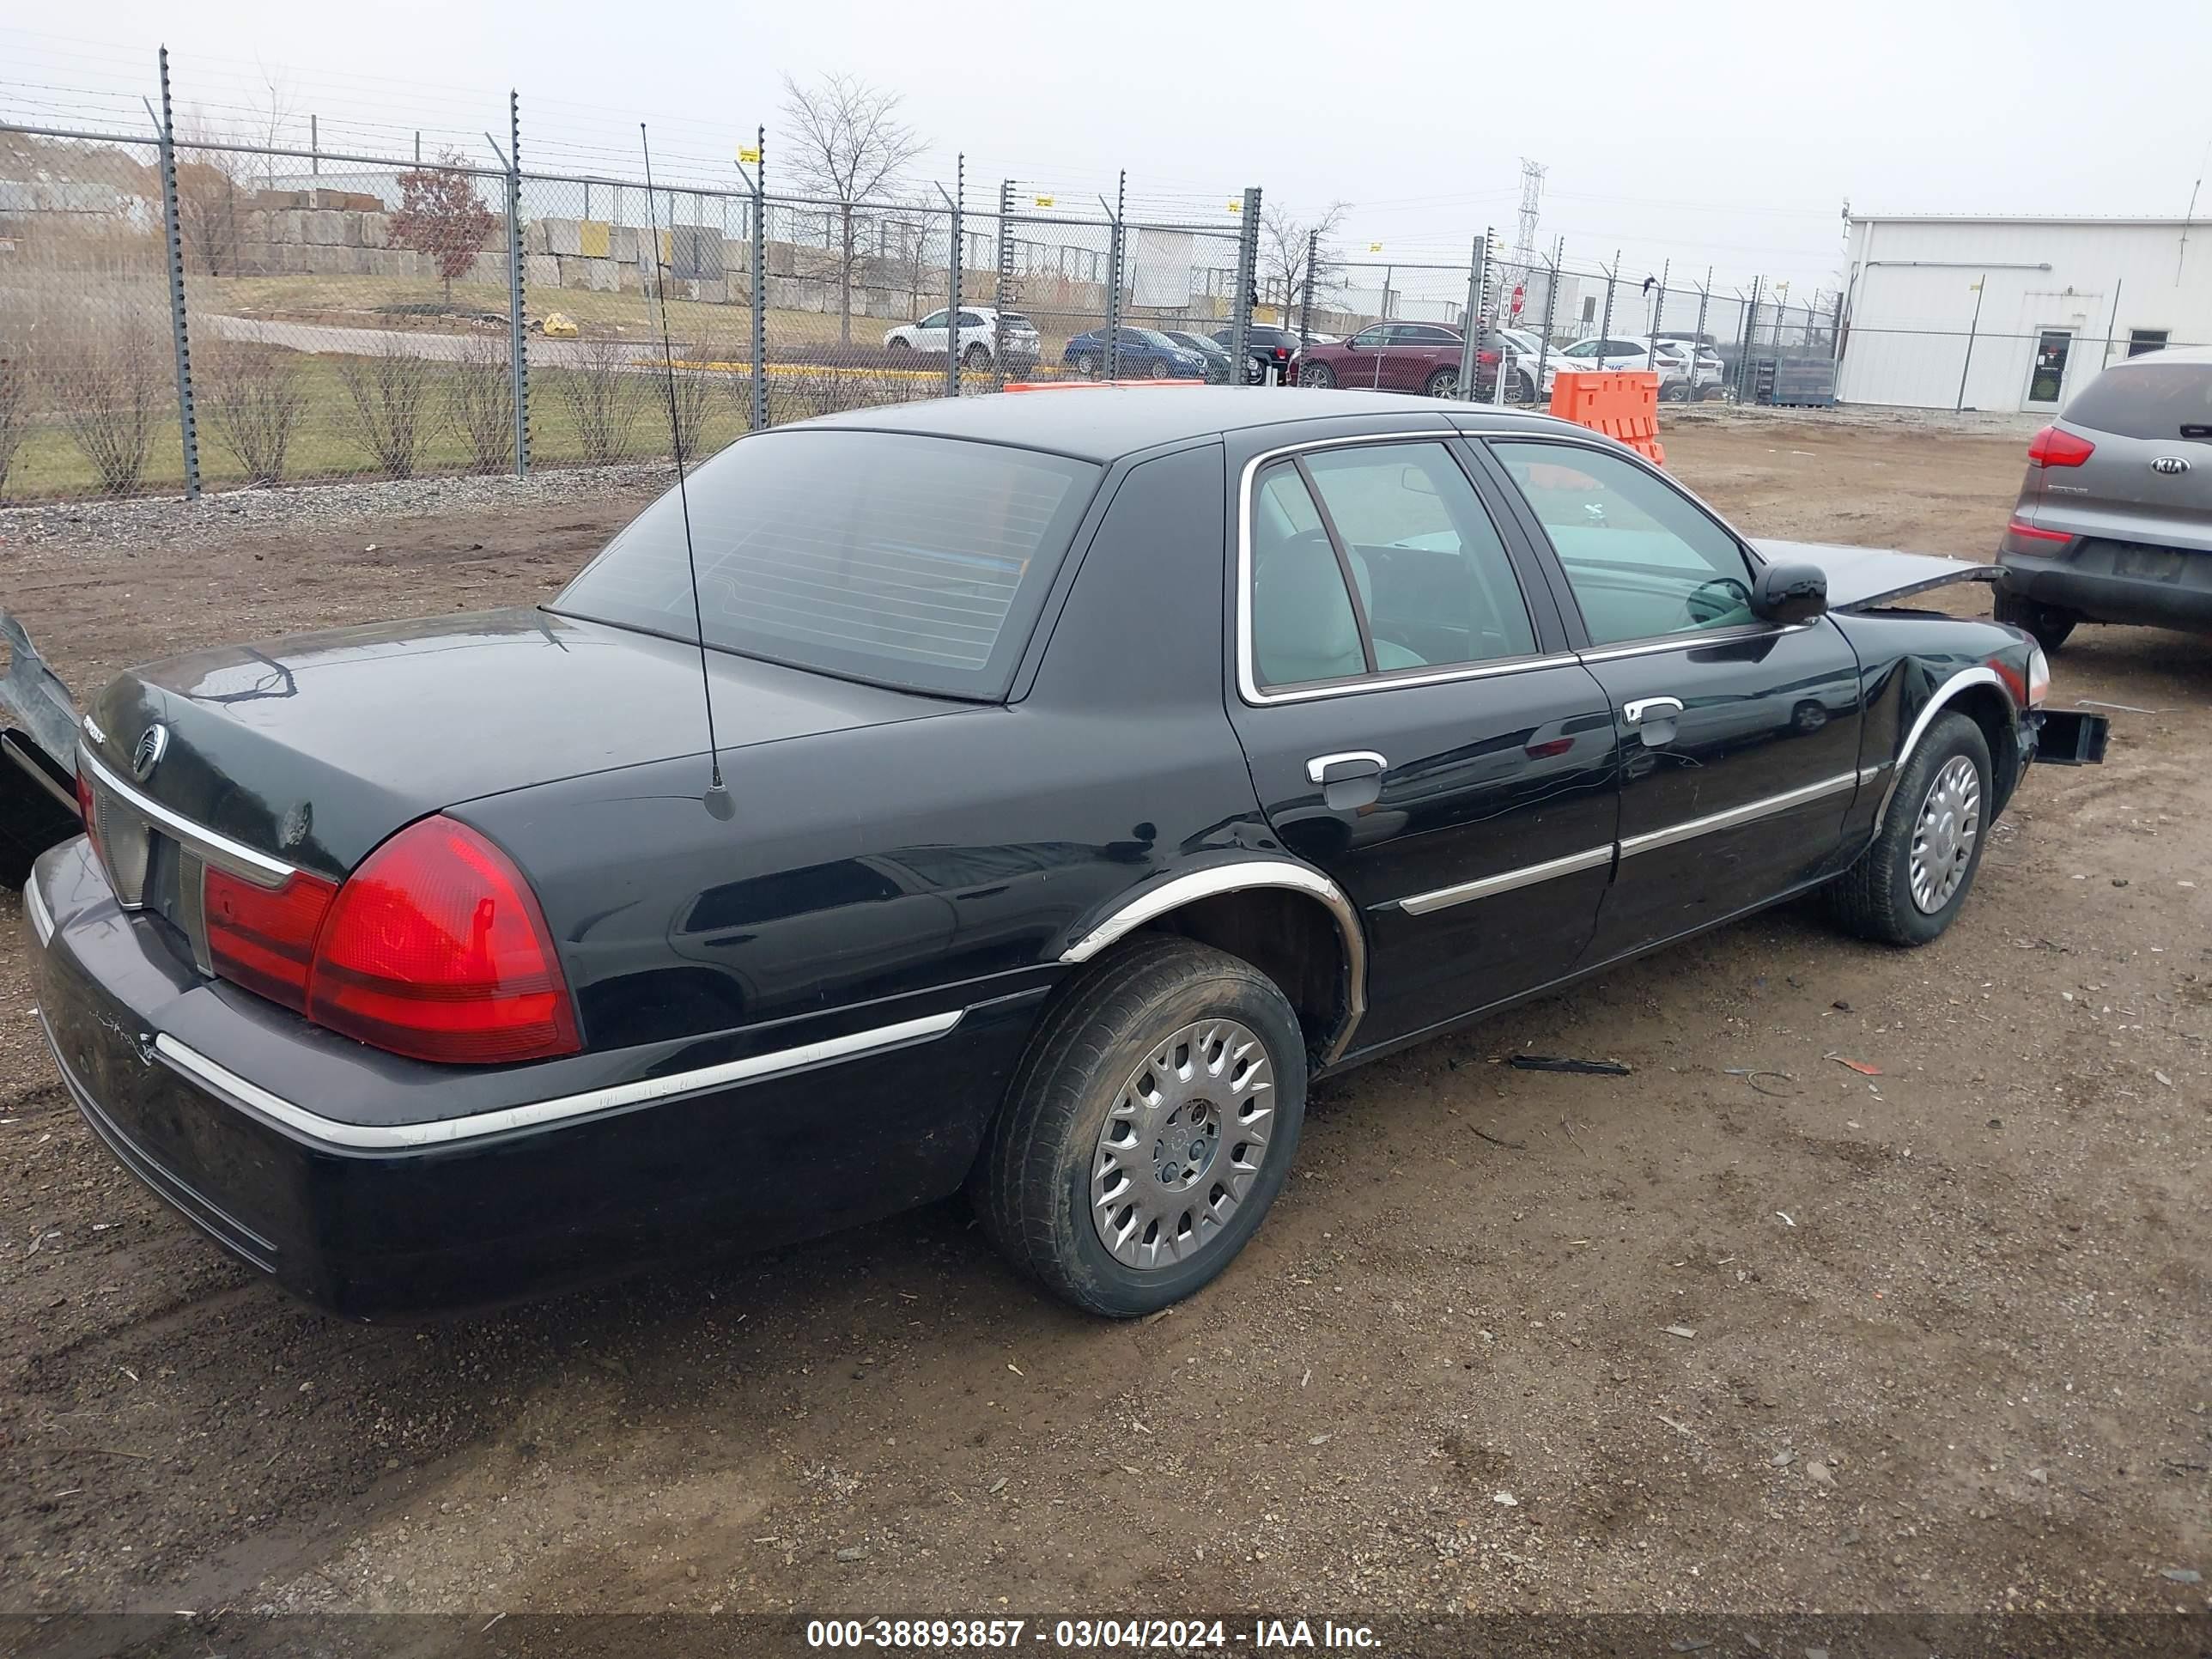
<point x="2148" y="399"/>
<point x="912" y="562"/>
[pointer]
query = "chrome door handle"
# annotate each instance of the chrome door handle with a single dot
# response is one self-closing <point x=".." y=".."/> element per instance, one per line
<point x="1651" y="708"/>
<point x="1341" y="768"/>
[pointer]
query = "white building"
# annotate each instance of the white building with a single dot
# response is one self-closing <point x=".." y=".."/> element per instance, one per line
<point x="1958" y="311"/>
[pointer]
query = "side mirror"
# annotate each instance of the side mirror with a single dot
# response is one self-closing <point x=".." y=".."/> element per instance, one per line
<point x="1789" y="594"/>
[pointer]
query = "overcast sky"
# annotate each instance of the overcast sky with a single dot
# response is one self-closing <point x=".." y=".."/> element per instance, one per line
<point x="1720" y="134"/>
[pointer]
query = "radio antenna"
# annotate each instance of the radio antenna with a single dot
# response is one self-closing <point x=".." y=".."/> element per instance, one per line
<point x="719" y="803"/>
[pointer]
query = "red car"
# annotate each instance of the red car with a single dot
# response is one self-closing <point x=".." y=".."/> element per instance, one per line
<point x="1420" y="357"/>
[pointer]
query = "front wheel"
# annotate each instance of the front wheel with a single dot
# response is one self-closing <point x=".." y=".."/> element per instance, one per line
<point x="977" y="357"/>
<point x="1148" y="1128"/>
<point x="902" y="346"/>
<point x="1907" y="887"/>
<point x="1087" y="368"/>
<point x="1158" y="370"/>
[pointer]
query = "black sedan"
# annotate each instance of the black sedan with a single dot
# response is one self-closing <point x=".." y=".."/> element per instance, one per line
<point x="1093" y="774"/>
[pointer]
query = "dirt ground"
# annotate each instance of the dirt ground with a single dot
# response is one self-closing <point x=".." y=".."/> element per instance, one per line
<point x="1933" y="1339"/>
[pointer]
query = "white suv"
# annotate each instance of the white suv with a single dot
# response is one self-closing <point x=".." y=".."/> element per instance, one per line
<point x="980" y="332"/>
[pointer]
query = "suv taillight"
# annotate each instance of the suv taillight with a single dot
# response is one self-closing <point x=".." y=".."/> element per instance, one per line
<point x="436" y="948"/>
<point x="2053" y="446"/>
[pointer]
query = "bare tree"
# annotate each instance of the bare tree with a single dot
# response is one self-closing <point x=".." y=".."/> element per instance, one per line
<point x="845" y="143"/>
<point x="253" y="399"/>
<point x="1284" y="241"/>
<point x="214" y="180"/>
<point x="390" y="389"/>
<point x="109" y="380"/>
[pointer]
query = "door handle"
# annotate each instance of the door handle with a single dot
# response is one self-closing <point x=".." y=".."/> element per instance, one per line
<point x="1344" y="767"/>
<point x="1645" y="708"/>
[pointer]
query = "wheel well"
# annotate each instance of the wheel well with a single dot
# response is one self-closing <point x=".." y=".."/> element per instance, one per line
<point x="1990" y="709"/>
<point x="1286" y="936"/>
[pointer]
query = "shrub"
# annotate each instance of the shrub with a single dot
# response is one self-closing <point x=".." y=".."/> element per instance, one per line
<point x="14" y="407"/>
<point x="390" y="390"/>
<point x="604" y="393"/>
<point x="480" y="398"/>
<point x="111" y="383"/>
<point x="252" y="398"/>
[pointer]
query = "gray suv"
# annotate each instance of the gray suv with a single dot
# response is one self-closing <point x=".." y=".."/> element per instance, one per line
<point x="2114" y="523"/>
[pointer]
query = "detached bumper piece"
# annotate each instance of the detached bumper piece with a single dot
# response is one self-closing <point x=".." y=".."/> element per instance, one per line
<point x="2068" y="737"/>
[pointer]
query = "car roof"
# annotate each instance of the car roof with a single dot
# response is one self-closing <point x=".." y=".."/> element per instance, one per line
<point x="1104" y="424"/>
<point x="2166" y="356"/>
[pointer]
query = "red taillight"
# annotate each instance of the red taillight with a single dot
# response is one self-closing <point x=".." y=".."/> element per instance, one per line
<point x="2053" y="446"/>
<point x="1487" y="357"/>
<point x="2020" y="530"/>
<point x="436" y="948"/>
<point x="1282" y="351"/>
<point x="264" y="938"/>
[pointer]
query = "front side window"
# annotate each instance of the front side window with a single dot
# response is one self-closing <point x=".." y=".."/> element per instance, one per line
<point x="935" y="319"/>
<point x="1376" y="558"/>
<point x="1370" y="336"/>
<point x="914" y="562"/>
<point x="1642" y="559"/>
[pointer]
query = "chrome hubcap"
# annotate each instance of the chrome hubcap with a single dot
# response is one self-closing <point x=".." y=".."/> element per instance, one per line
<point x="1447" y="385"/>
<point x="1183" y="1143"/>
<point x="1943" y="840"/>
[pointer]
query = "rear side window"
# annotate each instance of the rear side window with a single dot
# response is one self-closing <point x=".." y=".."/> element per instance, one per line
<point x="912" y="562"/>
<point x="2147" y="400"/>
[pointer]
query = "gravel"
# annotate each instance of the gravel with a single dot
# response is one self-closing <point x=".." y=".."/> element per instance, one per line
<point x="175" y="523"/>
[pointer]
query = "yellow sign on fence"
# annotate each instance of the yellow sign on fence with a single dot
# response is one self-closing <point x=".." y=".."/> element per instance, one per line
<point x="749" y="156"/>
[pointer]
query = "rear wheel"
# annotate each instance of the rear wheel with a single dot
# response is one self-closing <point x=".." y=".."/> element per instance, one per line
<point x="1444" y="383"/>
<point x="2049" y="623"/>
<point x="1907" y="887"/>
<point x="1524" y="387"/>
<point x="977" y="357"/>
<point x="1674" y="392"/>
<point x="1148" y="1128"/>
<point x="1087" y="368"/>
<point x="1317" y="375"/>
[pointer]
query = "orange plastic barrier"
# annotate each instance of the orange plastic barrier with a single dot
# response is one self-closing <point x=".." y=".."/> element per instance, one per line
<point x="1623" y="406"/>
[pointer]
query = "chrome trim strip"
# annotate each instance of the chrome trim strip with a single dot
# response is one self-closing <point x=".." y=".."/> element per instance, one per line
<point x="443" y="1131"/>
<point x="239" y="859"/>
<point x="1766" y="806"/>
<point x="1443" y="898"/>
<point x="1154" y="901"/>
<point x="1869" y="773"/>
<point x="13" y="743"/>
<point x="34" y="907"/>
<point x="1691" y="642"/>
<point x="1959" y="681"/>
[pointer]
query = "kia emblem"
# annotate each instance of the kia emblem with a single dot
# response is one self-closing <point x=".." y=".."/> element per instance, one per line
<point x="2172" y="465"/>
<point x="153" y="744"/>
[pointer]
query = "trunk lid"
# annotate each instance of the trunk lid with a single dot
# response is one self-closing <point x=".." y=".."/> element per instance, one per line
<point x="315" y="748"/>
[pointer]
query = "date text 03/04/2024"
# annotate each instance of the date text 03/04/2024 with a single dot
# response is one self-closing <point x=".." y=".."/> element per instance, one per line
<point x="1083" y="1634"/>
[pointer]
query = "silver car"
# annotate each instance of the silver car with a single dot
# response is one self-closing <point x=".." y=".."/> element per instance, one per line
<point x="2114" y="523"/>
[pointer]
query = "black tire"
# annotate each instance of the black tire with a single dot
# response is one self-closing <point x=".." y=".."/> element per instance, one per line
<point x="900" y="345"/>
<point x="1031" y="1185"/>
<point x="1874" y="897"/>
<point x="977" y="357"/>
<point x="1444" y="383"/>
<point x="1674" y="392"/>
<point x="1525" y="386"/>
<point x="1087" y="368"/>
<point x="2048" y="623"/>
<point x="1319" y="375"/>
<point x="1158" y="370"/>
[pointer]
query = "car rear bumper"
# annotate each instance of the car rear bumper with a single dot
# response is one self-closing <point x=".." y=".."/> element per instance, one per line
<point x="460" y="1212"/>
<point x="2087" y="579"/>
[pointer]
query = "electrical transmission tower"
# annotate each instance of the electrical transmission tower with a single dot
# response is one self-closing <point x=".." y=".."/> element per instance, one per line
<point x="1532" y="204"/>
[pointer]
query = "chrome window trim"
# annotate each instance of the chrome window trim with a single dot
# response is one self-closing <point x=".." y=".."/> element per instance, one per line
<point x="1151" y="903"/>
<point x="220" y="850"/>
<point x="1748" y="813"/>
<point x="1443" y="898"/>
<point x="439" y="1131"/>
<point x="1249" y="690"/>
<point x="34" y="907"/>
<point x="1584" y="441"/>
<point x="1653" y="646"/>
<point x="1959" y="681"/>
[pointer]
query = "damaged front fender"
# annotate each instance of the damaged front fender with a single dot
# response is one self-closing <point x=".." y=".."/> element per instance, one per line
<point x="38" y="757"/>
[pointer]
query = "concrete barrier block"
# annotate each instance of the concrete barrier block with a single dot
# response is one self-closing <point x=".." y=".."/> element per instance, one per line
<point x="541" y="270"/>
<point x="375" y="230"/>
<point x="535" y="236"/>
<point x="562" y="236"/>
<point x="623" y="243"/>
<point x="326" y="227"/>
<point x="487" y="268"/>
<point x="593" y="239"/>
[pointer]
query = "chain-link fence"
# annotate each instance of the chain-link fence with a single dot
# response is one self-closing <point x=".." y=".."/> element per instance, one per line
<point x="185" y="311"/>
